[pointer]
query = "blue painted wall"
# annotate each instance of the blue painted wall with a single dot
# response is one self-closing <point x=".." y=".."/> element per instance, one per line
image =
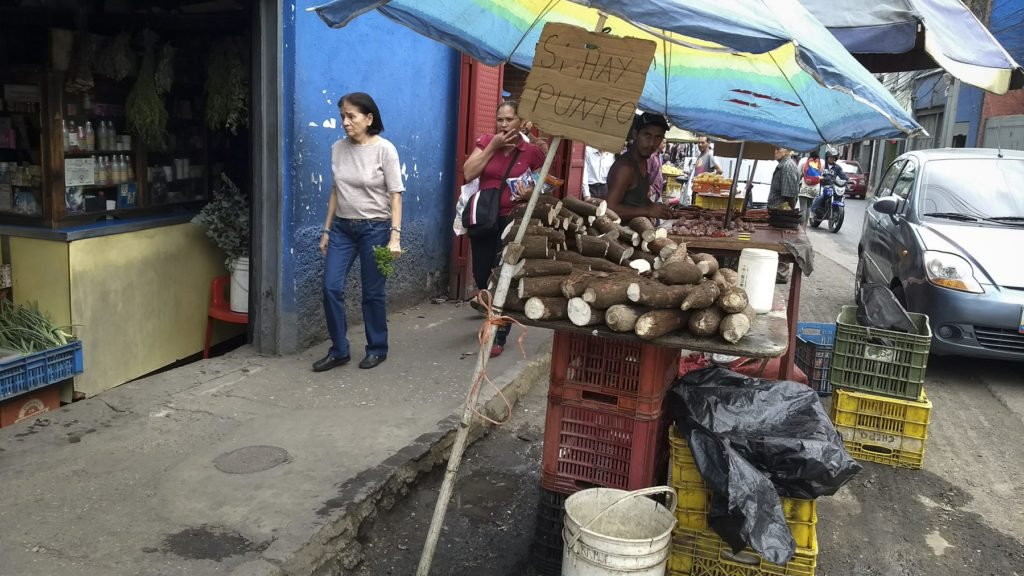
<point x="415" y="82"/>
<point x="1007" y="25"/>
<point x="968" y="109"/>
<point x="929" y="92"/>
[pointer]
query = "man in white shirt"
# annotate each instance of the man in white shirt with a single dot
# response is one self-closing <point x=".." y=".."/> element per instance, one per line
<point x="596" y="164"/>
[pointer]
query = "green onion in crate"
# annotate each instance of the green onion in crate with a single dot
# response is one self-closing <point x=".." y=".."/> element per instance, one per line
<point x="25" y="329"/>
<point x="385" y="260"/>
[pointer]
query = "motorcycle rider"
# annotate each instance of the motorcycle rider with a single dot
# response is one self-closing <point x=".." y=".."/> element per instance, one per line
<point x="833" y="175"/>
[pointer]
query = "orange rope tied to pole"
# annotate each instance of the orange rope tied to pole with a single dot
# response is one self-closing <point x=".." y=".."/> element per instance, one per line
<point x="490" y="324"/>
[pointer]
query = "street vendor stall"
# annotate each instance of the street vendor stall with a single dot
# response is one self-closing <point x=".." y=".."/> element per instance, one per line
<point x="765" y="73"/>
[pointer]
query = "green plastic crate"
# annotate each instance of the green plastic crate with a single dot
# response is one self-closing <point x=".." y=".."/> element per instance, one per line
<point x="898" y="370"/>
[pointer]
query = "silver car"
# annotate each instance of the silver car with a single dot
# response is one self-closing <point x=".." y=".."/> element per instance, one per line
<point x="945" y="231"/>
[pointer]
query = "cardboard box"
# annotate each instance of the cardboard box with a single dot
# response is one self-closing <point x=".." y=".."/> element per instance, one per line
<point x="29" y="405"/>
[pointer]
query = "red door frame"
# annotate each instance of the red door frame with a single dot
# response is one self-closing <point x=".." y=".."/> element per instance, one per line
<point x="479" y="95"/>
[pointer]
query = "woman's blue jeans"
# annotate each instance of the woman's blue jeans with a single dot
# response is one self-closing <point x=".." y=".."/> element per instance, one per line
<point x="350" y="239"/>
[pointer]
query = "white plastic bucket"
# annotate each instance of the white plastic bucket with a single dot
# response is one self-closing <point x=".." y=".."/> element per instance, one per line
<point x="612" y="532"/>
<point x="240" y="286"/>
<point x="757" y="271"/>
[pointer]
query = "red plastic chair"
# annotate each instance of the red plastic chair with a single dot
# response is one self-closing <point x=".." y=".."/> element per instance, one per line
<point x="220" y="309"/>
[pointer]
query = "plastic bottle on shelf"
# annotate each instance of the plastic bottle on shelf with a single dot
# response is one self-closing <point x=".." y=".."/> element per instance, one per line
<point x="108" y="169"/>
<point x="90" y="137"/>
<point x="124" y="169"/>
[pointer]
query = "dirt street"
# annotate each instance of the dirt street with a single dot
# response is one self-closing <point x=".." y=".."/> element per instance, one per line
<point x="963" y="515"/>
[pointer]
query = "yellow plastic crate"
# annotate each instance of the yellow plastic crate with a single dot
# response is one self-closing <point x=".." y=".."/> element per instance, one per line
<point x="696" y="553"/>
<point x="694" y="498"/>
<point x="881" y="429"/>
<point x="713" y="202"/>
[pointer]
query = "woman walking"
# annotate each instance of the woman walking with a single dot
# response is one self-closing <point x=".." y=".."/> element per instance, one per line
<point x="497" y="157"/>
<point x="364" y="212"/>
<point x="810" y="184"/>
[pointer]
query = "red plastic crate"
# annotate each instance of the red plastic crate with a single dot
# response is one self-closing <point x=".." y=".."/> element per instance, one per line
<point x="586" y="447"/>
<point x="610" y="373"/>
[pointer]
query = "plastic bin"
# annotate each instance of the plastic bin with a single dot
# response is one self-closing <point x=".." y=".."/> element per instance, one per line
<point x="880" y="361"/>
<point x="585" y="447"/>
<point x="880" y="429"/>
<point x="546" y="550"/>
<point x="814" y="342"/>
<point x="696" y="553"/>
<point x="694" y="498"/>
<point x="612" y="374"/>
<point x="26" y="373"/>
<point x="716" y="202"/>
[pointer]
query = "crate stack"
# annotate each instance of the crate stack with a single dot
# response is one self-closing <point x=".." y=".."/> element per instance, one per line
<point x="814" y="342"/>
<point x="699" y="551"/>
<point x="879" y="404"/>
<point x="606" y="426"/>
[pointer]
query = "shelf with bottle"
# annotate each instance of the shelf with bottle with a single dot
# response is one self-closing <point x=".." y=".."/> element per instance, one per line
<point x="84" y="139"/>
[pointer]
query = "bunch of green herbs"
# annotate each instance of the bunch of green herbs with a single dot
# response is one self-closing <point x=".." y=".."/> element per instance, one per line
<point x="226" y="219"/>
<point x="27" y="330"/>
<point x="227" y="87"/>
<point x="385" y="260"/>
<point x="144" y="110"/>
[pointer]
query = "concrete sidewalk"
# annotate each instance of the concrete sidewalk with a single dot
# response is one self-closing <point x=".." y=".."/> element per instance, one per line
<point x="243" y="465"/>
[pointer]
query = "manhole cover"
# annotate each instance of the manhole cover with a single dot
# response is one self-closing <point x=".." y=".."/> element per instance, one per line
<point x="251" y="459"/>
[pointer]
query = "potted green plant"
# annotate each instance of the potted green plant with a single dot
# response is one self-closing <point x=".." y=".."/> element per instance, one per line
<point x="226" y="219"/>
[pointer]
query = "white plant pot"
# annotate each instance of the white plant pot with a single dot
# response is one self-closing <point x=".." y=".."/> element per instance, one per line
<point x="240" y="286"/>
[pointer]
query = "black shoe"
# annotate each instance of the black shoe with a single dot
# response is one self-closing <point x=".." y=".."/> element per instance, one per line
<point x="327" y="362"/>
<point x="372" y="361"/>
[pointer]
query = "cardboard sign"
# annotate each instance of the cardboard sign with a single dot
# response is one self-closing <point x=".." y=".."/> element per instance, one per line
<point x="585" y="85"/>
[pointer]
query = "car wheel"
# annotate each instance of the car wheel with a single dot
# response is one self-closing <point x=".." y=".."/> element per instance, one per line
<point x="836" y="222"/>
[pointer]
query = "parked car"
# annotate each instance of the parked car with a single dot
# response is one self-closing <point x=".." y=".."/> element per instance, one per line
<point x="941" y="232"/>
<point x="858" y="185"/>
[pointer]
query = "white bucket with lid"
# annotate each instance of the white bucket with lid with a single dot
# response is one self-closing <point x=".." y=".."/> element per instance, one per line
<point x="612" y="532"/>
<point x="757" y="271"/>
<point x="239" y="297"/>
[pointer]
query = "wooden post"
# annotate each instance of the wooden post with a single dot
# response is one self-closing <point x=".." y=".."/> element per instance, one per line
<point x="462" y="435"/>
<point x="732" y="189"/>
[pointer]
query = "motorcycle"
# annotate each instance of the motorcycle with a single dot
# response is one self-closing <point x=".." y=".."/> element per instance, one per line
<point x="832" y="207"/>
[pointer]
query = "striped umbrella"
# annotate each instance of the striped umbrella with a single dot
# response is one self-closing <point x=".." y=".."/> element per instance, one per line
<point x="758" y="70"/>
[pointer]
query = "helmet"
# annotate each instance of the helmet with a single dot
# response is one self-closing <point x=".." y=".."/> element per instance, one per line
<point x="831" y="152"/>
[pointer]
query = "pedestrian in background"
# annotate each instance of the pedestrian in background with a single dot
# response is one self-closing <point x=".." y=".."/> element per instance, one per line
<point x="810" y="183"/>
<point x="496" y="158"/>
<point x="596" y="164"/>
<point x="364" y="212"/>
<point x="783" y="195"/>
<point x="654" y="164"/>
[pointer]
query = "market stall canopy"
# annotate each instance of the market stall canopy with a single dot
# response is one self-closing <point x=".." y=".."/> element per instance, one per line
<point x="677" y="134"/>
<point x="902" y="35"/>
<point x="762" y="70"/>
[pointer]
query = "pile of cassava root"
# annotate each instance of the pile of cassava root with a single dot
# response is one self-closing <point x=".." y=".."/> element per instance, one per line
<point x="577" y="261"/>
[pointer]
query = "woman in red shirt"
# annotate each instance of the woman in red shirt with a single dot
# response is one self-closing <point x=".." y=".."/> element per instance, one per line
<point x="489" y="162"/>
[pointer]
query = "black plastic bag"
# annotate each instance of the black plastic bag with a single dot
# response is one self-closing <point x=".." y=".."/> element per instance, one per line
<point x="754" y="440"/>
<point x="879" y="308"/>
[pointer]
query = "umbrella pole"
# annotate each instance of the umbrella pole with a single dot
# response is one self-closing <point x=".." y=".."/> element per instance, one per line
<point x="732" y="189"/>
<point x="459" y="446"/>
